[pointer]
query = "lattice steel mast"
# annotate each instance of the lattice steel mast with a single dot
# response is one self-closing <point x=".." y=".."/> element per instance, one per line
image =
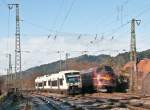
<point x="133" y="58"/>
<point x="17" y="45"/>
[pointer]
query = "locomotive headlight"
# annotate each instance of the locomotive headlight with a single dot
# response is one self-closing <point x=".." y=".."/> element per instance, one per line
<point x="107" y="78"/>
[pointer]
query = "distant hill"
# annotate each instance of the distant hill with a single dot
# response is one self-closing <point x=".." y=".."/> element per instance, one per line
<point x="77" y="63"/>
<point x="86" y="61"/>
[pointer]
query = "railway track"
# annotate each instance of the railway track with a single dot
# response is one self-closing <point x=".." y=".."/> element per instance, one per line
<point x="102" y="101"/>
<point x="41" y="101"/>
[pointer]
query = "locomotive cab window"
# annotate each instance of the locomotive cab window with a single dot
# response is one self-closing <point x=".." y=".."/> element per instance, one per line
<point x="99" y="70"/>
<point x="108" y="69"/>
<point x="104" y="69"/>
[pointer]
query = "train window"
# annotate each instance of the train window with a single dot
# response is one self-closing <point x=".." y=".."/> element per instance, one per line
<point x="104" y="69"/>
<point x="44" y="83"/>
<point x="54" y="83"/>
<point x="99" y="70"/>
<point x="40" y="84"/>
<point x="108" y="69"/>
<point x="72" y="77"/>
<point x="49" y="82"/>
<point x="61" y="81"/>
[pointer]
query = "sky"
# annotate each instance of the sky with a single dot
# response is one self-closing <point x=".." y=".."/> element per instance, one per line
<point x="71" y="26"/>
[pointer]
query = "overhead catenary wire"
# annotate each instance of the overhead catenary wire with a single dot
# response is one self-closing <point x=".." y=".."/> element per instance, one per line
<point x="65" y="33"/>
<point x="58" y="13"/>
<point x="53" y="32"/>
<point x="111" y="33"/>
<point x="69" y="33"/>
<point x="55" y="20"/>
<point x="120" y="13"/>
<point x="73" y="33"/>
<point x="82" y="51"/>
<point x="102" y="36"/>
<point x="118" y="28"/>
<point x="76" y="34"/>
<point x="37" y="25"/>
<point x="136" y="16"/>
<point x="120" y="9"/>
<point x="67" y="14"/>
<point x="65" y="18"/>
<point x="142" y="12"/>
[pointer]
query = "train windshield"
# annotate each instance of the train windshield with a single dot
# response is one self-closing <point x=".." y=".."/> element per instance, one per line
<point x="105" y="69"/>
<point x="72" y="77"/>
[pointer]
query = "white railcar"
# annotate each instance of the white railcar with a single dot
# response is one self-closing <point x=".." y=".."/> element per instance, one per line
<point x="64" y="81"/>
<point x="41" y="82"/>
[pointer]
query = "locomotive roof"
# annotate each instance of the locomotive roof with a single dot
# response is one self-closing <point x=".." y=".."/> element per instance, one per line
<point x="93" y="69"/>
<point x="89" y="70"/>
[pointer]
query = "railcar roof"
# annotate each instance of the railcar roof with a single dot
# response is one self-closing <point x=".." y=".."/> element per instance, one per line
<point x="42" y="77"/>
<point x="61" y="72"/>
<point x="68" y="71"/>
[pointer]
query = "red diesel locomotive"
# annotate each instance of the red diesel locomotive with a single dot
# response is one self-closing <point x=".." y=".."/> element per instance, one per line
<point x="98" y="79"/>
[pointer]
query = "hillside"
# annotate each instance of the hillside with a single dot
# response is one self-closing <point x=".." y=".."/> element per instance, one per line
<point x="78" y="63"/>
<point x="86" y="61"/>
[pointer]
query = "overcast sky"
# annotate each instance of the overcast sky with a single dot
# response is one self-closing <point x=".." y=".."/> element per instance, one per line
<point x="72" y="26"/>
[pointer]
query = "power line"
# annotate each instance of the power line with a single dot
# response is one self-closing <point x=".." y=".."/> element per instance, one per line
<point x="79" y="35"/>
<point x="53" y="32"/>
<point x="138" y="15"/>
<point x="38" y="26"/>
<point x="63" y="33"/>
<point x="112" y="31"/>
<point x="67" y="14"/>
<point x="143" y="12"/>
<point x="72" y="33"/>
<point x="58" y="13"/>
<point x="120" y="10"/>
<point x="118" y="28"/>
